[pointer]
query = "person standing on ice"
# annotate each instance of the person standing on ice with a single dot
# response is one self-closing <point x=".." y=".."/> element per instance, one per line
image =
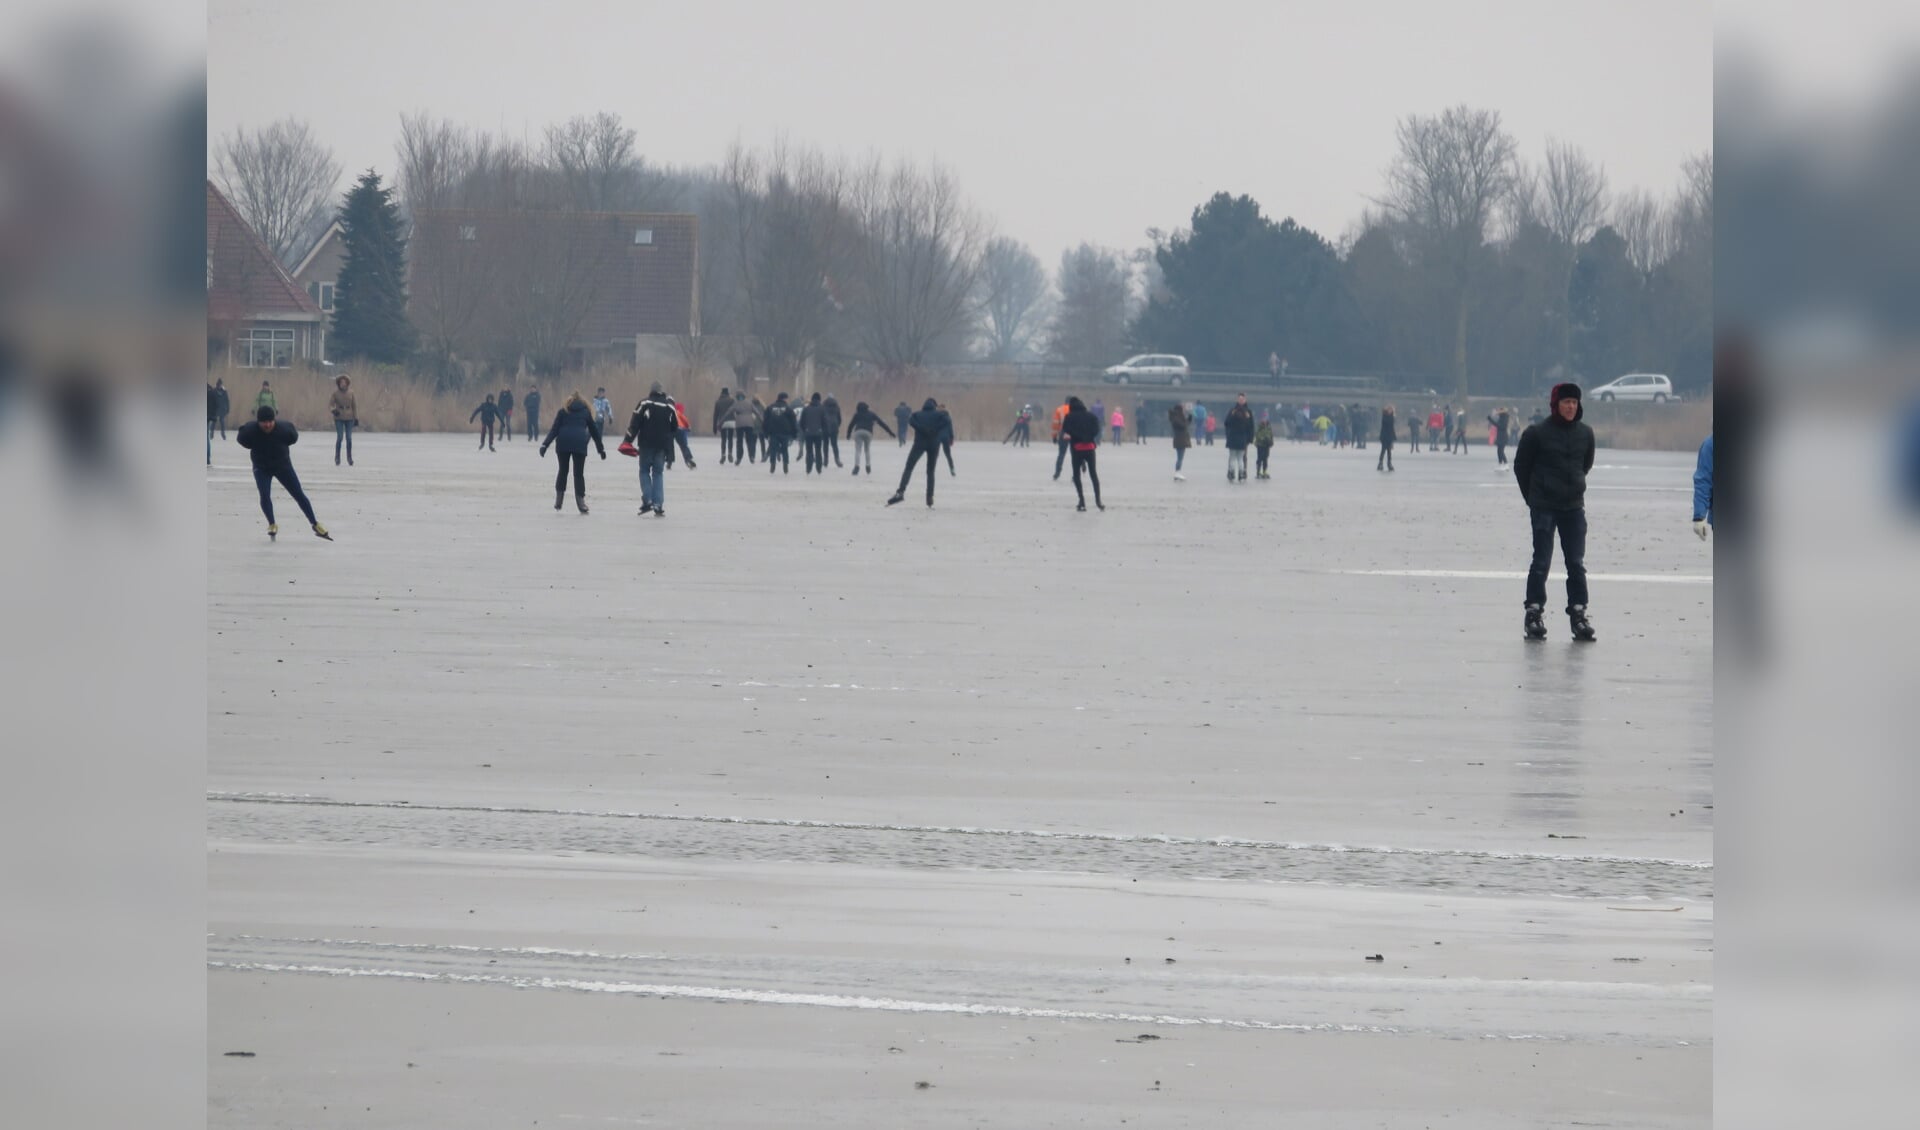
<point x="834" y="419"/>
<point x="267" y="441"/>
<point x="1388" y="434"/>
<point x="723" y="424"/>
<point x="1119" y="423"/>
<point x="530" y="404"/>
<point x="602" y="408"/>
<point x="505" y="405"/>
<point x="1262" y="446"/>
<point x="1551" y="466"/>
<point x="573" y="426"/>
<point x="487" y="414"/>
<point x="778" y="429"/>
<point x="929" y="424"/>
<point x="346" y="413"/>
<point x="746" y="417"/>
<point x="1180" y="423"/>
<point x="813" y="427"/>
<point x="1239" y="435"/>
<point x="1081" y="429"/>
<point x="1501" y="421"/>
<point x="1059" y="437"/>
<point x="902" y="419"/>
<point x="860" y="431"/>
<point x="1022" y="427"/>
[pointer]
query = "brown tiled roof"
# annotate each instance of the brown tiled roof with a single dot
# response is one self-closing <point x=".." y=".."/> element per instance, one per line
<point x="244" y="280"/>
<point x="633" y="288"/>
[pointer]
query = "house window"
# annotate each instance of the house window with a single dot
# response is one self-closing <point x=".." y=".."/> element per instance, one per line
<point x="642" y="237"/>
<point x="322" y="295"/>
<point x="263" y="349"/>
<point x="469" y="233"/>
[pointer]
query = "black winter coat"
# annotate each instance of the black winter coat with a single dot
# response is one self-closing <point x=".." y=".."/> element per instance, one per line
<point x="1552" y="462"/>
<point x="654" y="425"/>
<point x="929" y="425"/>
<point x="1081" y="428"/>
<point x="268" y="449"/>
<point x="488" y="412"/>
<point x="1239" y="426"/>
<point x="780" y="422"/>
<point x="572" y="427"/>
<point x="865" y="420"/>
<point x="834" y="417"/>
<point x="1387" y="430"/>
<point x="813" y="421"/>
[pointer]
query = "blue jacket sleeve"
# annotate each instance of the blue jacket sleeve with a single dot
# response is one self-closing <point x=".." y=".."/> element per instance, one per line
<point x="1703" y="483"/>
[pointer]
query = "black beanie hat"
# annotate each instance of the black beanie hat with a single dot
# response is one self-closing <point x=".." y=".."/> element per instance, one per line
<point x="930" y="405"/>
<point x="264" y="414"/>
<point x="1566" y="391"/>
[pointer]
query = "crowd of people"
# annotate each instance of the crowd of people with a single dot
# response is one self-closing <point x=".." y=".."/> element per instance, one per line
<point x="1554" y="454"/>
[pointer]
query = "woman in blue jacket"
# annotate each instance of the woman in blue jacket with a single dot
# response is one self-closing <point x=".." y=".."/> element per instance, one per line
<point x="573" y="426"/>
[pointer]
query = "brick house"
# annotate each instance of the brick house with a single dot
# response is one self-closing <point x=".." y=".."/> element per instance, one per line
<point x="571" y="287"/>
<point x="257" y="317"/>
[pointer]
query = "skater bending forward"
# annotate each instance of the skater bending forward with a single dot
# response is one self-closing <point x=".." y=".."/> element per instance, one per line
<point x="929" y="425"/>
<point x="267" y="441"/>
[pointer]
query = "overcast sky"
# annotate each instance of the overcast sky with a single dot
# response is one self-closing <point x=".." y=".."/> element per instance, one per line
<point x="1065" y="121"/>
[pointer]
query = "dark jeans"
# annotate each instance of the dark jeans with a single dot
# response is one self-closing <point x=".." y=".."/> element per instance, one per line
<point x="1386" y="456"/>
<point x="533" y="424"/>
<point x="1260" y="459"/>
<point x="1060" y="458"/>
<point x="343" y="431"/>
<point x="777" y="453"/>
<point x="833" y="446"/>
<point x="1572" y="527"/>
<point x="290" y="481"/>
<point x="578" y="460"/>
<point x="901" y="435"/>
<point x="506" y="424"/>
<point x="653" y="477"/>
<point x="913" y="457"/>
<point x="726" y="443"/>
<point x="1084" y="460"/>
<point x="1501" y="447"/>
<point x="680" y="434"/>
<point x="814" y="449"/>
<point x="486" y="433"/>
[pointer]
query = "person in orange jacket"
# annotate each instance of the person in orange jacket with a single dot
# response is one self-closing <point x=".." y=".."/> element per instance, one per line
<point x="1060" y="443"/>
<point x="681" y="433"/>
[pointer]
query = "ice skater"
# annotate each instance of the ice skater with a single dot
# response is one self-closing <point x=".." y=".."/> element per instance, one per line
<point x="1180" y="423"/>
<point x="1551" y="466"/>
<point x="1081" y="429"/>
<point x="572" y="427"/>
<point x="1022" y="429"/>
<point x="813" y="426"/>
<point x="860" y="431"/>
<point x="530" y="404"/>
<point x="1239" y="428"/>
<point x="746" y="420"/>
<point x="903" y="419"/>
<point x="832" y="436"/>
<point x="488" y="414"/>
<point x="1388" y="434"/>
<point x="723" y="424"/>
<point x="1059" y="438"/>
<point x="267" y="441"/>
<point x="602" y="409"/>
<point x="778" y="429"/>
<point x="346" y="413"/>
<point x="653" y="428"/>
<point x="1262" y="446"/>
<point x="1499" y="424"/>
<point x="1119" y="426"/>
<point x="928" y="424"/>
<point x="506" y="406"/>
<point x="946" y="442"/>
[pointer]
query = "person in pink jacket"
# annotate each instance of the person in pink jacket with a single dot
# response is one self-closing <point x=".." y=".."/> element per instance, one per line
<point x="1119" y="425"/>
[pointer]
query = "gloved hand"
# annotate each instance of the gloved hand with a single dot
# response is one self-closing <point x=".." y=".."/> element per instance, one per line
<point x="603" y="453"/>
<point x="543" y="451"/>
<point x="1700" y="527"/>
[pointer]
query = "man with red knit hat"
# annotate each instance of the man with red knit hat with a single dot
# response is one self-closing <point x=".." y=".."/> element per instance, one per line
<point x="1551" y="466"/>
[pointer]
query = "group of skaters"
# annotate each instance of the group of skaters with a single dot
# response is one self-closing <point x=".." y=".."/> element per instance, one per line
<point x="1550" y="465"/>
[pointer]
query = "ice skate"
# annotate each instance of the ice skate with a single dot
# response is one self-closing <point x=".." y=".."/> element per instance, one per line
<point x="1082" y="508"/>
<point x="320" y="531"/>
<point x="559" y="497"/>
<point x="1536" y="624"/>
<point x="273" y="531"/>
<point x="1582" y="627"/>
<point x="580" y="500"/>
<point x="897" y="498"/>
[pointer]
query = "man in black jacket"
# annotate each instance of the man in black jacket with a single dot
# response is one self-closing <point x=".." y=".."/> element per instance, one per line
<point x="1551" y="466"/>
<point x="834" y="419"/>
<point x="654" y="427"/>
<point x="267" y="440"/>
<point x="813" y="430"/>
<point x="778" y="428"/>
<point x="724" y="425"/>
<point x="929" y="424"/>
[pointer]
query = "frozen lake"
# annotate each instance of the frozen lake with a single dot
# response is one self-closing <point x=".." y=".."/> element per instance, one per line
<point x="495" y="789"/>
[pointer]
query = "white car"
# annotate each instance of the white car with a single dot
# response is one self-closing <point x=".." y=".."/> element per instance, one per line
<point x="1149" y="368"/>
<point x="1636" y="386"/>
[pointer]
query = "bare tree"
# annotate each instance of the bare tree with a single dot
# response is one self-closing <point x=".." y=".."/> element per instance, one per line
<point x="282" y="180"/>
<point x="915" y="260"/>
<point x="1572" y="206"/>
<point x="790" y="245"/>
<point x="1090" y="324"/>
<point x="1013" y="291"/>
<point x="1451" y="175"/>
<point x="435" y="159"/>
<point x="1644" y="223"/>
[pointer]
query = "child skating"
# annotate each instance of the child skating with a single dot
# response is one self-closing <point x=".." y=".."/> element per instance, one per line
<point x="489" y="415"/>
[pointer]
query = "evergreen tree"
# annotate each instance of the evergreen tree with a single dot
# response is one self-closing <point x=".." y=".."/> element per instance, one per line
<point x="370" y="299"/>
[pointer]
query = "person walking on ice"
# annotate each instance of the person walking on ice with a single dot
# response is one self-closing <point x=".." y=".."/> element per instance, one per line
<point x="860" y="431"/>
<point x="267" y="441"/>
<point x="487" y="414"/>
<point x="505" y="405"/>
<point x="1119" y="426"/>
<point x="346" y="413"/>
<point x="1081" y="430"/>
<point x="653" y="429"/>
<point x="1551" y="466"/>
<point x="929" y="424"/>
<point x="1388" y="434"/>
<point x="1262" y="446"/>
<point x="1180" y="424"/>
<point x="530" y="404"/>
<point x="903" y="419"/>
<point x="572" y="427"/>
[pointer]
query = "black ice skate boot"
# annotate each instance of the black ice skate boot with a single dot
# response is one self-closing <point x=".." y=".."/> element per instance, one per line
<point x="1536" y="624"/>
<point x="1577" y="620"/>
